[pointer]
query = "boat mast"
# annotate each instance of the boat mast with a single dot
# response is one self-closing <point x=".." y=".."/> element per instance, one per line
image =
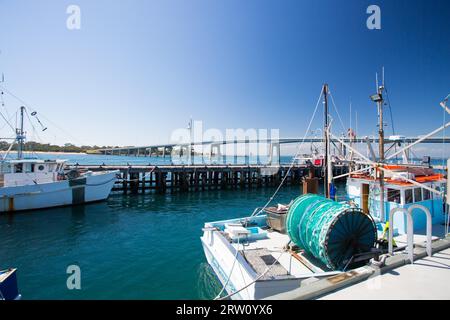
<point x="378" y="98"/>
<point x="326" y="141"/>
<point x="20" y="135"/>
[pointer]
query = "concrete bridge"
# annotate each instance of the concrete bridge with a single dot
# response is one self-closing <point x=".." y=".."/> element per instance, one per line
<point x="273" y="145"/>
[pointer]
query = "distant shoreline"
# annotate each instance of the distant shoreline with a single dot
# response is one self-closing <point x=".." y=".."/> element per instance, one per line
<point x="48" y="152"/>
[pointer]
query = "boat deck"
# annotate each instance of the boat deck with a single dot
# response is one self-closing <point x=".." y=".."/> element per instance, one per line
<point x="263" y="253"/>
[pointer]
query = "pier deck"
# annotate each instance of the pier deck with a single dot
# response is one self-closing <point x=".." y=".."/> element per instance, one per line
<point x="426" y="279"/>
<point x="162" y="178"/>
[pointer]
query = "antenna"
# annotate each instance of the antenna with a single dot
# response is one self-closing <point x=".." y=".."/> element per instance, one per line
<point x="350" y="113"/>
<point x="383" y="76"/>
<point x="34" y="114"/>
<point x="376" y="80"/>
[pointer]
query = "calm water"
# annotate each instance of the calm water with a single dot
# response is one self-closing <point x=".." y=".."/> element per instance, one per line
<point x="129" y="247"/>
<point x="83" y="159"/>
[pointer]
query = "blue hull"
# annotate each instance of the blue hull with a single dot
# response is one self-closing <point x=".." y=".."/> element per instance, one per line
<point x="8" y="285"/>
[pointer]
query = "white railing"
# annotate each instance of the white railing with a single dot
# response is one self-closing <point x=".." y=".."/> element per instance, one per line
<point x="410" y="229"/>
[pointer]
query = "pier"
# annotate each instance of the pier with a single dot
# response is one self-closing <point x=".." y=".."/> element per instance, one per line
<point x="180" y="178"/>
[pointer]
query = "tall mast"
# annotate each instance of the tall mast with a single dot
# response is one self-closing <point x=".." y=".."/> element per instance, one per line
<point x="378" y="98"/>
<point x="20" y="135"/>
<point x="326" y="140"/>
<point x="381" y="151"/>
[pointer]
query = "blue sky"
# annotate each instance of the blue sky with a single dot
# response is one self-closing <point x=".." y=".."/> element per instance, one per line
<point x="137" y="70"/>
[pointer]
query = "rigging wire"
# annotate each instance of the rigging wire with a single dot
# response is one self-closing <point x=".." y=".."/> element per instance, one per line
<point x="2" y="100"/>
<point x="259" y="210"/>
<point x="392" y="118"/>
<point x="35" y="133"/>
<point x="390" y="110"/>
<point x="257" y="278"/>
<point x="7" y="122"/>
<point x="443" y="166"/>
<point x="336" y="109"/>
<point x="294" y="160"/>
<point x="231" y="272"/>
<point x="42" y="115"/>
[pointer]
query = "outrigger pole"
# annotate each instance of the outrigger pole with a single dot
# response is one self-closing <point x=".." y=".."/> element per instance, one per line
<point x="380" y="166"/>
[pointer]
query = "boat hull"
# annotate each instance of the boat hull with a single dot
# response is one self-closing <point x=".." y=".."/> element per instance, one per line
<point x="243" y="283"/>
<point x="8" y="285"/>
<point x="89" y="188"/>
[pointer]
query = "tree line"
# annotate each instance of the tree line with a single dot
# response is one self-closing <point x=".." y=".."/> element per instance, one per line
<point x="47" y="147"/>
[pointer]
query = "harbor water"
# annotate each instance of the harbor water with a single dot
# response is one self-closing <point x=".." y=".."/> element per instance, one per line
<point x="128" y="247"/>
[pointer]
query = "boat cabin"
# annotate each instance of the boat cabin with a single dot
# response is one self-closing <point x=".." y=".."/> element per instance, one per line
<point x="364" y="191"/>
<point x="29" y="171"/>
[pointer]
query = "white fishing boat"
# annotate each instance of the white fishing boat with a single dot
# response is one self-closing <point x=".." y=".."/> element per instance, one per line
<point x="27" y="184"/>
<point x="291" y="247"/>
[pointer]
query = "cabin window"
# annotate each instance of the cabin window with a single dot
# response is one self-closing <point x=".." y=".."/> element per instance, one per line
<point x="41" y="167"/>
<point x="408" y="196"/>
<point x="393" y="195"/>
<point x="6" y="168"/>
<point x="18" y="168"/>
<point x="417" y="194"/>
<point x="28" y="167"/>
<point x="426" y="194"/>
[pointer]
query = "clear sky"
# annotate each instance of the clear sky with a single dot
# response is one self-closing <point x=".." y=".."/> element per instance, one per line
<point x="137" y="70"/>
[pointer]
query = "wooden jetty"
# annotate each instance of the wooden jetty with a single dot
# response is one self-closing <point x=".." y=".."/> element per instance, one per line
<point x="183" y="178"/>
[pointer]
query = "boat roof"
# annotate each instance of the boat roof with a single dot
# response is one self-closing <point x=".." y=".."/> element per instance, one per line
<point x="401" y="183"/>
<point x="14" y="161"/>
<point x="422" y="175"/>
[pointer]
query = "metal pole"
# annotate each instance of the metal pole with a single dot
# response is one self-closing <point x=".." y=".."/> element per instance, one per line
<point x="326" y="139"/>
<point x="20" y="135"/>
<point x="381" y="152"/>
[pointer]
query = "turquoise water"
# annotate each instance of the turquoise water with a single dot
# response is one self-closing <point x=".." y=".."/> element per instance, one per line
<point x="128" y="247"/>
<point x="83" y="159"/>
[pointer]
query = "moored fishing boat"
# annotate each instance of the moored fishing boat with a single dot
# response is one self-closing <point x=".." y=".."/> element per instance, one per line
<point x="284" y="248"/>
<point x="27" y="184"/>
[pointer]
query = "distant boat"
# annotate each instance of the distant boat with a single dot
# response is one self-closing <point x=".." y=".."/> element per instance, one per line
<point x="27" y="184"/>
<point x="8" y="285"/>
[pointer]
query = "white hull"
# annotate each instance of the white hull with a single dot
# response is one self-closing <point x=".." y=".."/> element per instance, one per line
<point x="89" y="188"/>
<point x="220" y="255"/>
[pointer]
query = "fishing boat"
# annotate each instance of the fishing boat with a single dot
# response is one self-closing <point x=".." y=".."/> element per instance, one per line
<point x="286" y="247"/>
<point x="8" y="285"/>
<point x="27" y="184"/>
